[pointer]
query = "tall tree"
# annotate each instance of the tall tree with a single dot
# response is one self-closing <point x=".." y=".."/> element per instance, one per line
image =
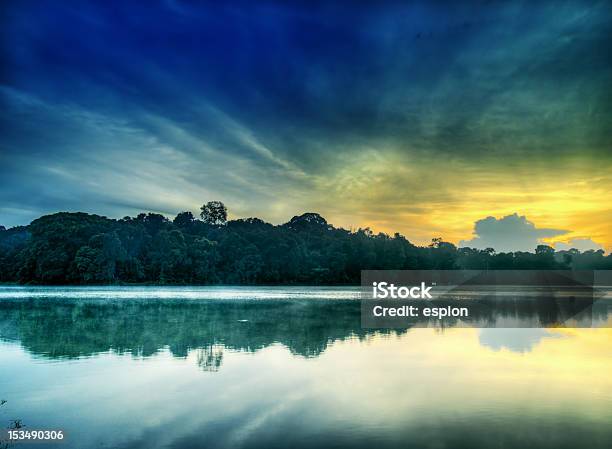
<point x="214" y="213"/>
<point x="184" y="219"/>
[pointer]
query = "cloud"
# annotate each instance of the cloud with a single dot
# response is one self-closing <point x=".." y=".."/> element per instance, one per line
<point x="510" y="233"/>
<point x="89" y="161"/>
<point x="581" y="244"/>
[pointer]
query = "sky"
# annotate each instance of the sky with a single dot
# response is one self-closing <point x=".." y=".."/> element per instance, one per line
<point x="482" y="122"/>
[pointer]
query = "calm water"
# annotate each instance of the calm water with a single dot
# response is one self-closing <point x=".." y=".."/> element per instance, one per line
<point x="291" y="368"/>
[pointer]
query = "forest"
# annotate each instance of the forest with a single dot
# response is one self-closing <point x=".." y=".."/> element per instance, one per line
<point x="80" y="248"/>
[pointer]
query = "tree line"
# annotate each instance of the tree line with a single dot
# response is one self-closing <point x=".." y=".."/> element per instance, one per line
<point x="80" y="248"/>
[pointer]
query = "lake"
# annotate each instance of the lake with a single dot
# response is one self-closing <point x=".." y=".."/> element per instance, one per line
<point x="220" y="367"/>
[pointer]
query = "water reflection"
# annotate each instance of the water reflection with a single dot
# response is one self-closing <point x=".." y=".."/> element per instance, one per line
<point x="179" y="373"/>
<point x="59" y="328"/>
<point x="516" y="340"/>
<point x="73" y="323"/>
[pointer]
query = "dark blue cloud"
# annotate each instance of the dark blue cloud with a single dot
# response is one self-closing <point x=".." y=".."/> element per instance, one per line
<point x="509" y="233"/>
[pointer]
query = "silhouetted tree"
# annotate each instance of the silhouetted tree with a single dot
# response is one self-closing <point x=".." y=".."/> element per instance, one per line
<point x="78" y="248"/>
<point x="184" y="219"/>
<point x="214" y="213"/>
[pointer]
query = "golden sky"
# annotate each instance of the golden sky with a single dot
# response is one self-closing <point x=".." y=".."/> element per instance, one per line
<point x="426" y="198"/>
